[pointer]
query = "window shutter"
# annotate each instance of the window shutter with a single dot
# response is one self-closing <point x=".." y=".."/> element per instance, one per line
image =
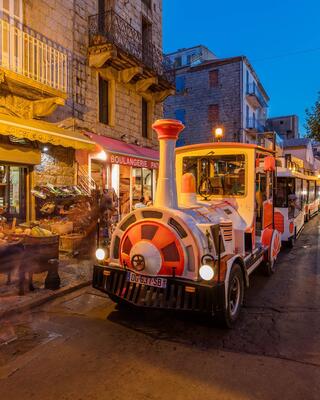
<point x="180" y="84"/>
<point x="103" y="101"/>
<point x="213" y="78"/>
<point x="144" y="115"/>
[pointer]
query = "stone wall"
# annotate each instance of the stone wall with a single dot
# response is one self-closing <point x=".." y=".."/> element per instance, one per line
<point x="66" y="22"/>
<point x="198" y="96"/>
<point x="57" y="167"/>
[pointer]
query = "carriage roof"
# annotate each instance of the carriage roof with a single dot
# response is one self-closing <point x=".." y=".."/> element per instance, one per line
<point x="221" y="145"/>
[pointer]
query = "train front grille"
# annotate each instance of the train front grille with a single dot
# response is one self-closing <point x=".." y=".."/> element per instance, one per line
<point x="177" y="295"/>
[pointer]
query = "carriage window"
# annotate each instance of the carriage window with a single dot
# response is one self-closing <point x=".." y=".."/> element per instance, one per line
<point x="312" y="191"/>
<point x="304" y="197"/>
<point x="298" y="193"/>
<point x="281" y="196"/>
<point x="221" y="175"/>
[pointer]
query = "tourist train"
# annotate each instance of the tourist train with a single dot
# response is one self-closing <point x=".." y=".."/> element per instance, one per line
<point x="211" y="226"/>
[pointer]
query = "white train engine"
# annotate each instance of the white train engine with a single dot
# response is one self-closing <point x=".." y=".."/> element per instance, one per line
<point x="195" y="250"/>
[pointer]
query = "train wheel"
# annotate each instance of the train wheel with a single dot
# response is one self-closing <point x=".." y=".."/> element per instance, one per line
<point x="291" y="242"/>
<point x="269" y="267"/>
<point x="234" y="298"/>
<point x="274" y="249"/>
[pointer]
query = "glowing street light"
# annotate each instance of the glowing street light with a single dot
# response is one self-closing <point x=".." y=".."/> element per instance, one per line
<point x="218" y="133"/>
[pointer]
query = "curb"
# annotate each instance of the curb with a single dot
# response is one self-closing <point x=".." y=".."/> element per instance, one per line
<point x="46" y="298"/>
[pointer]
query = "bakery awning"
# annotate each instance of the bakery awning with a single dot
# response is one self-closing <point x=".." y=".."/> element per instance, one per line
<point x="122" y="153"/>
<point x="43" y="132"/>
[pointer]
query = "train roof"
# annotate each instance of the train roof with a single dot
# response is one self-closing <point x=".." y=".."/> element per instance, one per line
<point x="246" y="146"/>
<point x="288" y="173"/>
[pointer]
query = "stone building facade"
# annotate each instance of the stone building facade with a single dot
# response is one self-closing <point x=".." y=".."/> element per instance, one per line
<point x="64" y="50"/>
<point x="287" y="127"/>
<point x="57" y="167"/>
<point x="67" y="23"/>
<point x="215" y="92"/>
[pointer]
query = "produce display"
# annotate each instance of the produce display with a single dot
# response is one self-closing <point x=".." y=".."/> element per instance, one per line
<point x="64" y="212"/>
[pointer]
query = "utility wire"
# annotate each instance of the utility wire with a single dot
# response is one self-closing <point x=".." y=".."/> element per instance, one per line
<point x="288" y="54"/>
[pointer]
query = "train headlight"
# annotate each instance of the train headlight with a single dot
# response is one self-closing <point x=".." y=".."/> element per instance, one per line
<point x="100" y="254"/>
<point x="206" y="272"/>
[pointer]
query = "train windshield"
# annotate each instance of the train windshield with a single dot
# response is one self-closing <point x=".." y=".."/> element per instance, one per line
<point x="218" y="175"/>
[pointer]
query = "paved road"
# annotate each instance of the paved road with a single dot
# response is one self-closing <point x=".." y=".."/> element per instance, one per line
<point x="81" y="347"/>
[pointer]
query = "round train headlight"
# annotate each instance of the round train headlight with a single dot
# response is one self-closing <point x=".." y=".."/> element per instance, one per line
<point x="206" y="272"/>
<point x="100" y="254"/>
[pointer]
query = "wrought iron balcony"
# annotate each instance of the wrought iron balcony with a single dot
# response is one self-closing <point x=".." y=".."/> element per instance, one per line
<point x="30" y="55"/>
<point x="255" y="97"/>
<point x="111" y="28"/>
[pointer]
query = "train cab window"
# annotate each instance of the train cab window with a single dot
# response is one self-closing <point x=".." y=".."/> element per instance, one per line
<point x="221" y="175"/>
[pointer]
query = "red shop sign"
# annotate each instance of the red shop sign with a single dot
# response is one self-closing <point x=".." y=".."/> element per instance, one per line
<point x="133" y="161"/>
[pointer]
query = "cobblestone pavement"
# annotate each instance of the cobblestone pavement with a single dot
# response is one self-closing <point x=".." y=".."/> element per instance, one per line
<point x="82" y="347"/>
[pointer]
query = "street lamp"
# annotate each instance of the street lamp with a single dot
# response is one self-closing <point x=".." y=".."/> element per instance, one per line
<point x="218" y="133"/>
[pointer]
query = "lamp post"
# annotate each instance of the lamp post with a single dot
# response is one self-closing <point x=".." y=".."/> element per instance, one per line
<point x="218" y="133"/>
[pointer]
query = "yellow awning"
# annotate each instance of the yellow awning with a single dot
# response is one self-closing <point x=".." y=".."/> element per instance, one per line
<point x="43" y="132"/>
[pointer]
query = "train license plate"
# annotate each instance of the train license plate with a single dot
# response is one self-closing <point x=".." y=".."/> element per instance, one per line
<point x="146" y="280"/>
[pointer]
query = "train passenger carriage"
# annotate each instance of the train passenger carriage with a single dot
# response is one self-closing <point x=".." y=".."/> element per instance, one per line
<point x="211" y="226"/>
<point x="296" y="199"/>
<point x="312" y="201"/>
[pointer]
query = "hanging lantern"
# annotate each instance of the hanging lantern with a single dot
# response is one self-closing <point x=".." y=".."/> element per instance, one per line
<point x="269" y="163"/>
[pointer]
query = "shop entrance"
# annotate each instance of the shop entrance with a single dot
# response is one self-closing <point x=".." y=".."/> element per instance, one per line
<point x="13" y="191"/>
<point x="141" y="185"/>
<point x="98" y="174"/>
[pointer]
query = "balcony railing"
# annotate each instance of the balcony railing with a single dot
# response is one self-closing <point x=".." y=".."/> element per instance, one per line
<point x="255" y="124"/>
<point x="112" y="28"/>
<point x="253" y="90"/>
<point x="30" y="54"/>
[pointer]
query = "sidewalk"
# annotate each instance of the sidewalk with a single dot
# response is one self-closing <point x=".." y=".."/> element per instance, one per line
<point x="74" y="274"/>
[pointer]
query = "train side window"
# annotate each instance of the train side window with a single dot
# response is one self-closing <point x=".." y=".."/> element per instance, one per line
<point x="312" y="190"/>
<point x="261" y="197"/>
<point x="298" y="191"/>
<point x="304" y="197"/>
<point x="291" y="198"/>
<point x="281" y="195"/>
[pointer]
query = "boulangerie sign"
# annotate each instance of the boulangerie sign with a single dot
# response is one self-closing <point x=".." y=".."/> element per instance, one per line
<point x="133" y="161"/>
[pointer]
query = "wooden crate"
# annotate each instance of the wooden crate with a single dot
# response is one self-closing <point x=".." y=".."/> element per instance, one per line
<point x="71" y="243"/>
<point x="62" y="228"/>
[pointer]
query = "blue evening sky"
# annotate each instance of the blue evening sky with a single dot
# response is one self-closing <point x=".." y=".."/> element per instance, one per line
<point x="280" y="38"/>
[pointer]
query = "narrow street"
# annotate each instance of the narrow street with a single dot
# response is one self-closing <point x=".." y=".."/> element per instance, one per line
<point x="81" y="347"/>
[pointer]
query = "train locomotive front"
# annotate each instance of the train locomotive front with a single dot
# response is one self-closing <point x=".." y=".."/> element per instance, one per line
<point x="184" y="256"/>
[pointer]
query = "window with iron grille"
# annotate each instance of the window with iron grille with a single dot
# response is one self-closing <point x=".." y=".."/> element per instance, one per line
<point x="144" y="115"/>
<point x="213" y="78"/>
<point x="103" y="101"/>
<point x="213" y="113"/>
